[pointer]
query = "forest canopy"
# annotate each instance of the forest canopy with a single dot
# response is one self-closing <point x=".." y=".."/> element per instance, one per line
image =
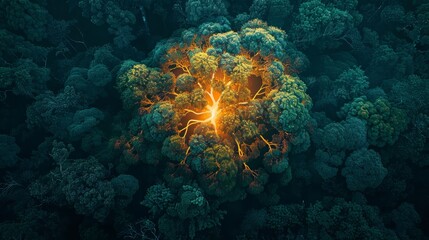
<point x="214" y="119"/>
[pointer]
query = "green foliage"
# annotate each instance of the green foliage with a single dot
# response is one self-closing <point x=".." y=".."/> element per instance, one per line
<point x="318" y="22"/>
<point x="24" y="78"/>
<point x="406" y="219"/>
<point x="327" y="164"/>
<point x="281" y="216"/>
<point x="351" y="84"/>
<point x="87" y="189"/>
<point x="157" y="199"/>
<point x="54" y="112"/>
<point x="241" y="70"/>
<point x="199" y="10"/>
<point x="384" y="121"/>
<point x="174" y="148"/>
<point x="221" y="170"/>
<point x="338" y="219"/>
<point x="287" y="112"/>
<point x="138" y="81"/>
<point x="185" y="82"/>
<point x="363" y="169"/>
<point x="159" y="122"/>
<point x="275" y="162"/>
<point x="84" y="121"/>
<point x="116" y="16"/>
<point x="411" y="94"/>
<point x="99" y="75"/>
<point x="257" y="36"/>
<point x="346" y="135"/>
<point x="278" y="12"/>
<point x="203" y="65"/>
<point x="228" y="42"/>
<point x="125" y="187"/>
<point x="26" y="16"/>
<point x="184" y="215"/>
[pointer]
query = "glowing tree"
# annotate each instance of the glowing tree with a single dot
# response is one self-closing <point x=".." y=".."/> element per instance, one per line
<point x="223" y="106"/>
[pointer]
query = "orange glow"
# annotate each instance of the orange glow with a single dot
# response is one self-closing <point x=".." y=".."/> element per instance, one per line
<point x="212" y="110"/>
<point x="270" y="145"/>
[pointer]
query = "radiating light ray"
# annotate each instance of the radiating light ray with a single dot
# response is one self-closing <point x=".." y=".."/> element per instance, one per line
<point x="212" y="109"/>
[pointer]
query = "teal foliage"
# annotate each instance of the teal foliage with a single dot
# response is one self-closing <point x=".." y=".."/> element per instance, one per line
<point x="25" y="78"/>
<point x="226" y="42"/>
<point x="257" y="185"/>
<point x="99" y="75"/>
<point x="9" y="150"/>
<point x="192" y="204"/>
<point x="257" y="36"/>
<point x="174" y="148"/>
<point x="327" y="164"/>
<point x="275" y="162"/>
<point x="157" y="198"/>
<point x="78" y="79"/>
<point x="79" y="151"/>
<point x="275" y="72"/>
<point x="411" y="94"/>
<point x="27" y="16"/>
<point x="339" y="219"/>
<point x="16" y="47"/>
<point x="125" y="186"/>
<point x="90" y="83"/>
<point x="351" y="83"/>
<point x="86" y="187"/>
<point x="119" y="19"/>
<point x="54" y="112"/>
<point x="84" y="121"/>
<point x="216" y="25"/>
<point x="226" y="62"/>
<point x="258" y="9"/>
<point x="32" y="223"/>
<point x="184" y="215"/>
<point x="317" y="21"/>
<point x="104" y="56"/>
<point x="220" y="176"/>
<point x="185" y="82"/>
<point x="346" y="135"/>
<point x="281" y="216"/>
<point x="152" y="155"/>
<point x="385" y="56"/>
<point x="199" y="10"/>
<point x="287" y="113"/>
<point x="363" y="169"/>
<point x="393" y="15"/>
<point x="384" y="121"/>
<point x="300" y="142"/>
<point x="406" y="220"/>
<point x="278" y="12"/>
<point x="137" y="81"/>
<point x="159" y="122"/>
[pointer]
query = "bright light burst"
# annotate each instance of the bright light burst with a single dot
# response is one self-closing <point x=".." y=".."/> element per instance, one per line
<point x="210" y="115"/>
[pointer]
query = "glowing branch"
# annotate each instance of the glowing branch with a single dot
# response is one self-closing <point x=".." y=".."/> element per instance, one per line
<point x="190" y="123"/>
<point x="194" y="112"/>
<point x="240" y="152"/>
<point x="212" y="109"/>
<point x="179" y="65"/>
<point x="247" y="168"/>
<point x="269" y="144"/>
<point x="259" y="92"/>
<point x="188" y="150"/>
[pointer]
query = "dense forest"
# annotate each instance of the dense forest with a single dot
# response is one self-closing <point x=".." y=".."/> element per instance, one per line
<point x="214" y="119"/>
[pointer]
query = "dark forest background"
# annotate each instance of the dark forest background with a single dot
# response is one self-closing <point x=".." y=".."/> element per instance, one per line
<point x="362" y="172"/>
